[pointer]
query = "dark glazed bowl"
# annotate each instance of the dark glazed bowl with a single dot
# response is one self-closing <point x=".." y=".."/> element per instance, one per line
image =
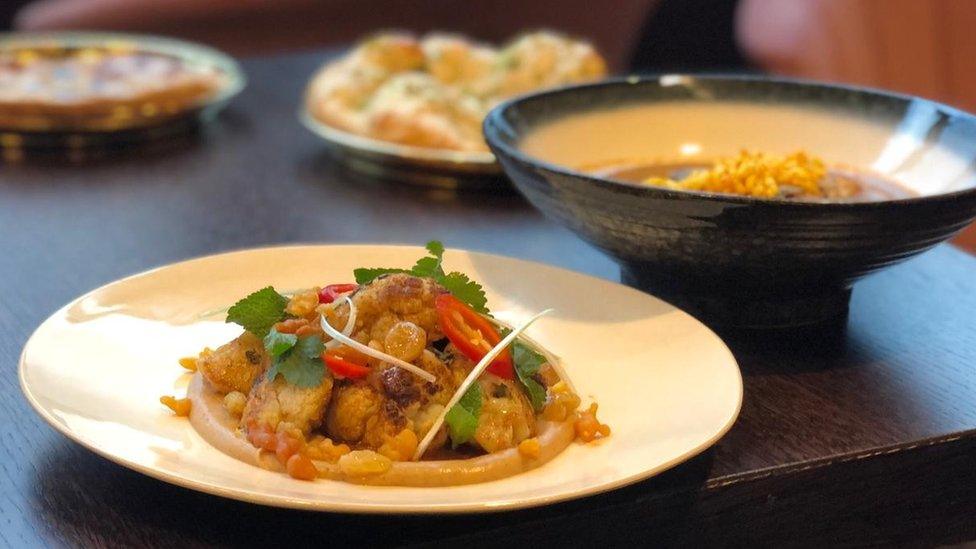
<point x="732" y="260"/>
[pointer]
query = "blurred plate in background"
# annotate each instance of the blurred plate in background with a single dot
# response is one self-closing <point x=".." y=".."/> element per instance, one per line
<point x="415" y="165"/>
<point x="92" y="101"/>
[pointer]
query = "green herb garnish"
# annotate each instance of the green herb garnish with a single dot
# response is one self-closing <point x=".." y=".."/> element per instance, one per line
<point x="258" y="312"/>
<point x="527" y="363"/>
<point x="462" y="419"/>
<point x="301" y="364"/>
<point x="277" y="343"/>
<point x="462" y="287"/>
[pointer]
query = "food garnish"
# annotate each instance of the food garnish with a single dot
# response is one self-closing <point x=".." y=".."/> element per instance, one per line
<point x="527" y="366"/>
<point x="471" y="333"/>
<point x="301" y="363"/>
<point x="344" y="367"/>
<point x="367" y="350"/>
<point x="457" y="283"/>
<point x="753" y="174"/>
<point x="258" y="312"/>
<point x="472" y="377"/>
<point x="332" y="292"/>
<point x="462" y="418"/>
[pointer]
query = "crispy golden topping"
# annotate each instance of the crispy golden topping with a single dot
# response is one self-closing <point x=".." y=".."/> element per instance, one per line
<point x="588" y="427"/>
<point x="530" y="448"/>
<point x="180" y="406"/>
<point x="753" y="174"/>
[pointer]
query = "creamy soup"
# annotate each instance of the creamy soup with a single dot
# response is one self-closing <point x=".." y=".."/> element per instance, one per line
<point x="671" y="140"/>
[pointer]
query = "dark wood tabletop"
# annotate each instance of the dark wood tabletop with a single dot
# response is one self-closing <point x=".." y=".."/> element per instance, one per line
<point x="855" y="434"/>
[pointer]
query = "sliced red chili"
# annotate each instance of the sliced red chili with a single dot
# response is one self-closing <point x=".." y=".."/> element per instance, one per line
<point x="342" y="367"/>
<point x="472" y="334"/>
<point x="331" y="292"/>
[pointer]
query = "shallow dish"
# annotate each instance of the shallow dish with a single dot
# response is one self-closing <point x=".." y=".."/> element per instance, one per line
<point x="89" y="122"/>
<point x="735" y="260"/>
<point x="415" y="165"/>
<point x="96" y="369"/>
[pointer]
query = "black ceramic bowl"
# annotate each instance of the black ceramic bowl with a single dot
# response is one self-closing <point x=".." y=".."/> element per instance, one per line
<point x="735" y="260"/>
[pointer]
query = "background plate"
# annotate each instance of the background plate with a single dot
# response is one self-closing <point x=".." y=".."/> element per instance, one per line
<point x="415" y="165"/>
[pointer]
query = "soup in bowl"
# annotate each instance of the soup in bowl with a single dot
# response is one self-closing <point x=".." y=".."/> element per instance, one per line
<point x="749" y="201"/>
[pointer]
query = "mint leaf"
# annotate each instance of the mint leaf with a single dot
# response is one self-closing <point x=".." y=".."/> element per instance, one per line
<point x="302" y="364"/>
<point x="258" y="312"/>
<point x="527" y="364"/>
<point x="364" y="276"/>
<point x="462" y="419"/>
<point x="466" y="290"/>
<point x="277" y="343"/>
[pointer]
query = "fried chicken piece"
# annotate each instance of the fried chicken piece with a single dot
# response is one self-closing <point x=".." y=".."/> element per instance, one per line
<point x="235" y="365"/>
<point x="275" y="401"/>
<point x="389" y="300"/>
<point x="373" y="411"/>
<point x="506" y="415"/>
<point x="354" y="404"/>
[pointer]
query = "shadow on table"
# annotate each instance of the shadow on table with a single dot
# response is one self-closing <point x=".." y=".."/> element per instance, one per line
<point x="322" y="167"/>
<point x="792" y="350"/>
<point x="129" y="147"/>
<point x="81" y="496"/>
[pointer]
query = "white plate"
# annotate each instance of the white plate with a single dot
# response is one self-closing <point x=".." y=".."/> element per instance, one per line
<point x="667" y="385"/>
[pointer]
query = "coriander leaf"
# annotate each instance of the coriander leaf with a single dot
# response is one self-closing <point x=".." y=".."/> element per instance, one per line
<point x="277" y="343"/>
<point x="462" y="419"/>
<point x="258" y="312"/>
<point x="435" y="248"/>
<point x="466" y="290"/>
<point x="364" y="276"/>
<point x="527" y="364"/>
<point x="302" y="364"/>
<point x="431" y="266"/>
<point x="428" y="267"/>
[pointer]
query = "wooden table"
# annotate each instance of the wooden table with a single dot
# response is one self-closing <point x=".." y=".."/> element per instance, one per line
<point x="860" y="436"/>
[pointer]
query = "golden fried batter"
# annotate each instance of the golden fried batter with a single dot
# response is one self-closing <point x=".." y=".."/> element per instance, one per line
<point x="234" y="366"/>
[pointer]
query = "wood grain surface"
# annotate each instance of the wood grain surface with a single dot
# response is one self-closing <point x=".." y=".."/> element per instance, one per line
<point x="864" y="434"/>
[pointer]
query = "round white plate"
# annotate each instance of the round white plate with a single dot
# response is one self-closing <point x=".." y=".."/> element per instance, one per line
<point x="667" y="386"/>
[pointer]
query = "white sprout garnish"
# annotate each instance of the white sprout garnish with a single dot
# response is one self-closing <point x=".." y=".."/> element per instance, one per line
<point x="350" y="324"/>
<point x="468" y="381"/>
<point x="554" y="361"/>
<point x="379" y="355"/>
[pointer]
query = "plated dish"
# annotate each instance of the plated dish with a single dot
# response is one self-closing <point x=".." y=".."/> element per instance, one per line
<point x="751" y="202"/>
<point x="404" y="107"/>
<point x="401" y="378"/>
<point x="123" y="342"/>
<point x="106" y="82"/>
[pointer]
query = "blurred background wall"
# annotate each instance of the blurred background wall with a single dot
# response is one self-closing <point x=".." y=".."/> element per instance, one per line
<point x="925" y="48"/>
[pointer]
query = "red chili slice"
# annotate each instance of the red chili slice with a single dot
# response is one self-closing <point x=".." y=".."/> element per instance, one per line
<point x="472" y="334"/>
<point x="343" y="367"/>
<point x="331" y="292"/>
